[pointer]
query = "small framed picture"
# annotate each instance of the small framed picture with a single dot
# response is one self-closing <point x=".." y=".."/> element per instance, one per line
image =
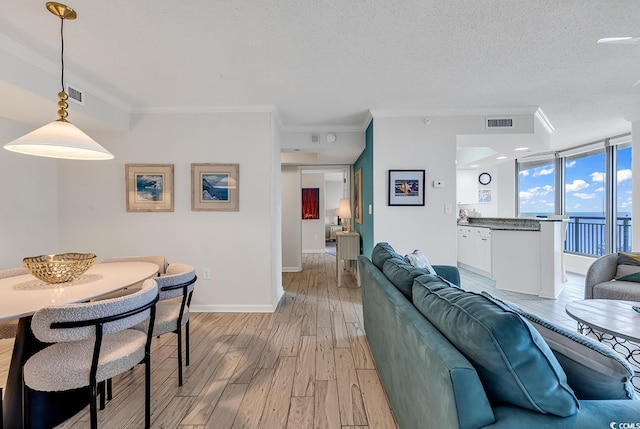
<point x="149" y="187"/>
<point x="357" y="196"/>
<point x="484" y="195"/>
<point x="215" y="187"/>
<point x="406" y="187"/>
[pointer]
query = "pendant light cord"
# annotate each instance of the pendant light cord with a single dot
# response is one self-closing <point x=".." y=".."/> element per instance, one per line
<point x="62" y="52"/>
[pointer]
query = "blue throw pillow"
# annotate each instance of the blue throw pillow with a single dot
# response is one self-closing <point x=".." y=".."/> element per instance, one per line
<point x="382" y="253"/>
<point x="594" y="371"/>
<point x="513" y="361"/>
<point x="401" y="274"/>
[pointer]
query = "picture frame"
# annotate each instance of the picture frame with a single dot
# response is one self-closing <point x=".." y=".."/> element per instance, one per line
<point x="406" y="188"/>
<point x="215" y="187"/>
<point x="310" y="203"/>
<point x="149" y="187"/>
<point x="484" y="196"/>
<point x="357" y="196"/>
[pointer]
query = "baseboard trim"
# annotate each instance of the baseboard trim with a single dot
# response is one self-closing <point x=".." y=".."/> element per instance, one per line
<point x="291" y="269"/>
<point x="232" y="309"/>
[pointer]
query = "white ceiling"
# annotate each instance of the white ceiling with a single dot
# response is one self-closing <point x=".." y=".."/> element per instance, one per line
<point x="324" y="63"/>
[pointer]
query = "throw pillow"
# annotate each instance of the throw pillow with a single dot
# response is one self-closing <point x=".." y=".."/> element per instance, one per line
<point x="513" y="361"/>
<point x="419" y="260"/>
<point x="401" y="274"/>
<point x="381" y="253"/>
<point x="628" y="267"/>
<point x="594" y="371"/>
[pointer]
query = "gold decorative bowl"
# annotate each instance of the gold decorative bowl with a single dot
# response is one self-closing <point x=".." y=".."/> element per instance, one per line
<point x="59" y="268"/>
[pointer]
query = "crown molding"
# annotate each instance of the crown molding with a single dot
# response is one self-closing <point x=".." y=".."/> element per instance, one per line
<point x="262" y="108"/>
<point x="342" y="128"/>
<point x="540" y="115"/>
<point x="398" y="113"/>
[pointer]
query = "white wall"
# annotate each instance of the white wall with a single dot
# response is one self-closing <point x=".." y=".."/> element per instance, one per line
<point x="29" y="201"/>
<point x="487" y="209"/>
<point x="334" y="191"/>
<point x="506" y="189"/>
<point x="291" y="220"/>
<point x="242" y="248"/>
<point x="313" y="230"/>
<point x="407" y="143"/>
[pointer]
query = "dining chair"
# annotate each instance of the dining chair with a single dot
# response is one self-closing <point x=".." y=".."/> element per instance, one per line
<point x="160" y="261"/>
<point x="175" y="290"/>
<point x="92" y="342"/>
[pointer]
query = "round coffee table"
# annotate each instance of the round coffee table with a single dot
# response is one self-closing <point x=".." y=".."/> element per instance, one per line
<point x="612" y="322"/>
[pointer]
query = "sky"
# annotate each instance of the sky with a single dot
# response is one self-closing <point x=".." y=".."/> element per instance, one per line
<point x="584" y="185"/>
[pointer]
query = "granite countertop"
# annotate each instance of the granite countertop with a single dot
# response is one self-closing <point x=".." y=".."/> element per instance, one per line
<point x="507" y="224"/>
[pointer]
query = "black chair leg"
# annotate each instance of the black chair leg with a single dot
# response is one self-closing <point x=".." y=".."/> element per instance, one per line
<point x="110" y="389"/>
<point x="186" y="341"/>
<point x="147" y="392"/>
<point x="93" y="409"/>
<point x="179" y="332"/>
<point x="103" y="394"/>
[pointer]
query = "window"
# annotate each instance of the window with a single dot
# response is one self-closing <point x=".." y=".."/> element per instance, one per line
<point x="593" y="189"/>
<point x="536" y="188"/>
<point x="584" y="202"/>
<point x="623" y="198"/>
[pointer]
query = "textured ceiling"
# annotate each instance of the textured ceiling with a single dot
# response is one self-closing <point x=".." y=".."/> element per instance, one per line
<point x="326" y="62"/>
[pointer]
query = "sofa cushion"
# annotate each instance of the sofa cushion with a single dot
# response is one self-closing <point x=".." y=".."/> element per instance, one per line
<point x="513" y="361"/>
<point x="617" y="289"/>
<point x="418" y="259"/>
<point x="628" y="268"/>
<point x="594" y="371"/>
<point x="383" y="252"/>
<point x="401" y="274"/>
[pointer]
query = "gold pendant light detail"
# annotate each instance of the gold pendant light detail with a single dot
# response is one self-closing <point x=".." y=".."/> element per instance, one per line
<point x="60" y="139"/>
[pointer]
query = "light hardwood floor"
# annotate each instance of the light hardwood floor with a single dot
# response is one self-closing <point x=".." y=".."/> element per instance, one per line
<point x="307" y="365"/>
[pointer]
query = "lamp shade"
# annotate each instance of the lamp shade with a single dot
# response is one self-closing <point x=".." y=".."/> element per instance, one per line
<point x="59" y="139"/>
<point x="344" y="211"/>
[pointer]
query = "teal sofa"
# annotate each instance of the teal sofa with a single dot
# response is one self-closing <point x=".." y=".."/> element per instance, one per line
<point x="432" y="383"/>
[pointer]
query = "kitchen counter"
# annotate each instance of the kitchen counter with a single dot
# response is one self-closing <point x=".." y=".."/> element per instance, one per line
<point x="521" y="255"/>
<point x="508" y="224"/>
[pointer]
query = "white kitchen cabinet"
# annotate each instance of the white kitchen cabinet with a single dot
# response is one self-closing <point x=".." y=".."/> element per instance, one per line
<point x="467" y="186"/>
<point x="474" y="249"/>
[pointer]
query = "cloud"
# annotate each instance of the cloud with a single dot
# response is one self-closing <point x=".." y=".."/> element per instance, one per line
<point x="624" y="175"/>
<point x="597" y="176"/>
<point x="584" y="196"/>
<point x="543" y="172"/>
<point x="538" y="191"/>
<point x="577" y="185"/>
<point x="524" y="173"/>
<point x="570" y="164"/>
<point x="600" y="189"/>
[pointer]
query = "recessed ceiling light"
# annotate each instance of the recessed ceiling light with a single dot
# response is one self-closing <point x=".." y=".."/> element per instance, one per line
<point x="502" y="157"/>
<point x="521" y="149"/>
<point x="474" y="166"/>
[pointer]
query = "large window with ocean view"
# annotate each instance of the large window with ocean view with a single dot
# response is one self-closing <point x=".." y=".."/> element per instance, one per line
<point x="536" y="188"/>
<point x="623" y="198"/>
<point x="584" y="202"/>
<point x="593" y="190"/>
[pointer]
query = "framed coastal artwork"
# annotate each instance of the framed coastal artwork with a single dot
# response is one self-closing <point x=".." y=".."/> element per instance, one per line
<point x="215" y="187"/>
<point x="357" y="196"/>
<point x="406" y="188"/>
<point x="484" y="195"/>
<point x="310" y="203"/>
<point x="149" y="187"/>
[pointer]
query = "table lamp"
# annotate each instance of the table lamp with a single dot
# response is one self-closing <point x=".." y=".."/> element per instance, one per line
<point x="344" y="213"/>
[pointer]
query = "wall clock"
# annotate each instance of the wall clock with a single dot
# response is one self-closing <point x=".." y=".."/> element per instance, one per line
<point x="484" y="178"/>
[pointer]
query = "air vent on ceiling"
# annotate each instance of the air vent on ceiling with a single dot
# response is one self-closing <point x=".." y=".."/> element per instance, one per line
<point x="76" y="95"/>
<point x="315" y="138"/>
<point x="499" y="123"/>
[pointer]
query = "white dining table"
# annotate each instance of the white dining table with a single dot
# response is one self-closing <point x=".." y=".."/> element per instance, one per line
<point x="21" y="296"/>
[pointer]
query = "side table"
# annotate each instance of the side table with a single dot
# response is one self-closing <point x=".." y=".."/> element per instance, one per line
<point x="347" y="249"/>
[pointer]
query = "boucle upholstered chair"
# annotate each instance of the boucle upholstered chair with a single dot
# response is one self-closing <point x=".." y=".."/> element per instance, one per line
<point x="160" y="261"/>
<point x="175" y="290"/>
<point x="92" y="342"/>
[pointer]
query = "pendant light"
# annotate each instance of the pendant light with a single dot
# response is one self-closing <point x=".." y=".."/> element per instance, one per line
<point x="60" y="138"/>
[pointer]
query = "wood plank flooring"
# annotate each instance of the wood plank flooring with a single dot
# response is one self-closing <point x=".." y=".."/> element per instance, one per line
<point x="308" y="365"/>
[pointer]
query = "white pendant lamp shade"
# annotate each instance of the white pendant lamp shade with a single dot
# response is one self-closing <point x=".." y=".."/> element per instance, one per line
<point x="59" y="139"/>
